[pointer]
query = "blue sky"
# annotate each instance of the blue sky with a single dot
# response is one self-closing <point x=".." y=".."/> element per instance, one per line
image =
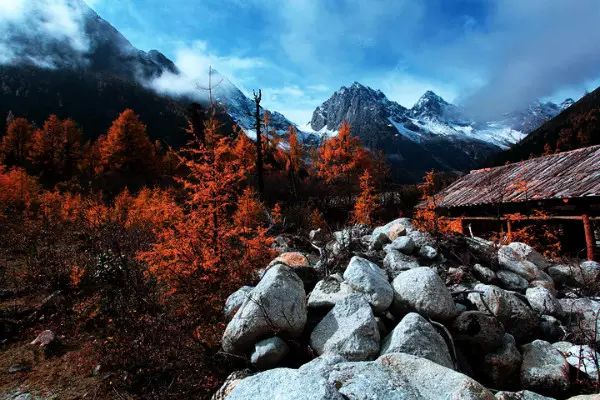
<point x="489" y="55"/>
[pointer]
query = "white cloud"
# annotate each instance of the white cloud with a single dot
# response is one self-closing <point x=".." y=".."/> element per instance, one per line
<point x="41" y="25"/>
<point x="194" y="62"/>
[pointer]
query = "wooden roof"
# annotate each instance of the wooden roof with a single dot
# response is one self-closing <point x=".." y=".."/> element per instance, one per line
<point x="572" y="174"/>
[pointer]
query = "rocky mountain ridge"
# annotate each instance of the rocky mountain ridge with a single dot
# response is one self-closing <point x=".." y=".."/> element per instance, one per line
<point x="431" y="117"/>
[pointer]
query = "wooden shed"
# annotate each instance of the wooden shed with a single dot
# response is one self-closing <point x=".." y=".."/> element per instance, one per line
<point x="562" y="187"/>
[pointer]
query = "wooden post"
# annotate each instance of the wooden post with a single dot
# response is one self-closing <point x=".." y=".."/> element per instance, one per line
<point x="509" y="230"/>
<point x="589" y="237"/>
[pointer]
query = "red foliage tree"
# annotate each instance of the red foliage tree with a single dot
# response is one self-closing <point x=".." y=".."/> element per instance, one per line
<point x="15" y="144"/>
<point x="366" y="203"/>
<point x="342" y="157"/>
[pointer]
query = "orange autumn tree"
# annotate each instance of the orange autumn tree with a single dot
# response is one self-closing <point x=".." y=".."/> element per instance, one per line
<point x="126" y="147"/>
<point x="15" y="144"/>
<point x="220" y="216"/>
<point x="55" y="149"/>
<point x="294" y="159"/>
<point x="342" y="157"/>
<point x="366" y="203"/>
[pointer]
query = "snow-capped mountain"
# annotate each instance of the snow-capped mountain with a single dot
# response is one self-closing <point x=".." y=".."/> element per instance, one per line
<point x="435" y="127"/>
<point x="430" y="118"/>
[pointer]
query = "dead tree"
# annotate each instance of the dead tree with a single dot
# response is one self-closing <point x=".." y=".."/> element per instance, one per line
<point x="259" y="155"/>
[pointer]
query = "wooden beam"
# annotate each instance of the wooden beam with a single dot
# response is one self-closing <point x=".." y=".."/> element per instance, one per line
<point x="531" y="218"/>
<point x="589" y="237"/>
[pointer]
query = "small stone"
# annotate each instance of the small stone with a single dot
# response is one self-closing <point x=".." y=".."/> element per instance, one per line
<point x="512" y="281"/>
<point x="269" y="352"/>
<point x="486" y="275"/>
<point x="403" y="244"/>
<point x="329" y="291"/>
<point x="428" y="252"/>
<point x="235" y="301"/>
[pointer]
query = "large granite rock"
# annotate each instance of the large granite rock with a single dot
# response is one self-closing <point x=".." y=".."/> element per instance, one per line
<point x="329" y="291"/>
<point x="367" y="278"/>
<point x="277" y="305"/>
<point x="396" y="262"/>
<point x="521" y="259"/>
<point x="422" y="290"/>
<point x="501" y="366"/>
<point x="477" y="330"/>
<point x="517" y="317"/>
<point x="415" y="335"/>
<point x="403" y="244"/>
<point x="543" y="302"/>
<point x="583" y="316"/>
<point x="544" y="368"/>
<point x="395" y="376"/>
<point x="349" y="330"/>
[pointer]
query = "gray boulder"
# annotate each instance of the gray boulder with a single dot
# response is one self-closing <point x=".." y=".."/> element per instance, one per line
<point x="428" y="252"/>
<point x="349" y="330"/>
<point x="403" y="244"/>
<point x="511" y="281"/>
<point x="521" y="259"/>
<point x="517" y="317"/>
<point x="590" y="271"/>
<point x="551" y="329"/>
<point x="395" y="262"/>
<point x="367" y="278"/>
<point x="583" y="358"/>
<point x="269" y="352"/>
<point x="476" y="329"/>
<point x="329" y="291"/>
<point x="566" y="274"/>
<point x="394" y="229"/>
<point x="484" y="274"/>
<point x="501" y="366"/>
<point x="584" y="316"/>
<point x="544" y="369"/>
<point x="235" y="301"/>
<point x="521" y="395"/>
<point x="395" y="376"/>
<point x="376" y="242"/>
<point x="543" y="302"/>
<point x="422" y="290"/>
<point x="415" y="335"/>
<point x="276" y="305"/>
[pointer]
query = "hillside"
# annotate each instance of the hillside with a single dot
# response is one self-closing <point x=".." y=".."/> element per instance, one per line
<point x="577" y="126"/>
<point x="92" y="99"/>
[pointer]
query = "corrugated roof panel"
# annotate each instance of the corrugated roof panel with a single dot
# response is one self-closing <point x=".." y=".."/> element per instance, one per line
<point x="563" y="175"/>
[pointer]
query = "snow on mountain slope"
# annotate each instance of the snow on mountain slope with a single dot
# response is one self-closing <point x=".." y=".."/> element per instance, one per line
<point x="431" y="118"/>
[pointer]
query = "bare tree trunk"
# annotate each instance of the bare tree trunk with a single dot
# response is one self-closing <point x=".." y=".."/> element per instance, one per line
<point x="259" y="155"/>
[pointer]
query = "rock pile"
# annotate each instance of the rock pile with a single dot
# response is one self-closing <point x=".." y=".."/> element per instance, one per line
<point x="401" y="321"/>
